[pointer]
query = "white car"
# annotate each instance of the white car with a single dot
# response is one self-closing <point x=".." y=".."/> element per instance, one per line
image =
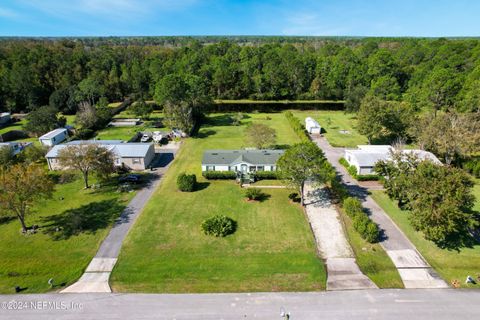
<point x="145" y="138"/>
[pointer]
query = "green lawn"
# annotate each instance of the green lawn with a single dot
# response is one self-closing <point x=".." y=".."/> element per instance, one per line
<point x="450" y="264"/>
<point x="371" y="258"/>
<point x="332" y="122"/>
<point x="29" y="261"/>
<point x="272" y="250"/>
<point x="126" y="133"/>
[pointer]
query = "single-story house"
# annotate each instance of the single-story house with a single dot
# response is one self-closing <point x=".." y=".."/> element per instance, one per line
<point x="54" y="137"/>
<point x="244" y="161"/>
<point x="16" y="147"/>
<point x="312" y="126"/>
<point x="124" y="122"/>
<point x="135" y="156"/>
<point x="5" y="117"/>
<point x="365" y="157"/>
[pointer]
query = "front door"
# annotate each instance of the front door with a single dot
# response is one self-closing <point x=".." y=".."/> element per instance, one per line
<point x="244" y="168"/>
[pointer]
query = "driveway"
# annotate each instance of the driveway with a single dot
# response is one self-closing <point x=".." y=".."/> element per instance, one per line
<point x="343" y="272"/>
<point x="412" y="267"/>
<point x="97" y="274"/>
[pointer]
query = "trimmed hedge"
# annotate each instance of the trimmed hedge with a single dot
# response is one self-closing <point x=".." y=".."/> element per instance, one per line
<point x="367" y="229"/>
<point x="219" y="175"/>
<point x="186" y="182"/>
<point x="219" y="226"/>
<point x="266" y="175"/>
<point x="297" y="126"/>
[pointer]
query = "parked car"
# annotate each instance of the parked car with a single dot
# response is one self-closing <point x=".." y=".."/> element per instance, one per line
<point x="145" y="138"/>
<point x="131" y="178"/>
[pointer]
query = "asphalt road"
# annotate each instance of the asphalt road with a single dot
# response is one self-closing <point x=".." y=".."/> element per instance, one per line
<point x="437" y="304"/>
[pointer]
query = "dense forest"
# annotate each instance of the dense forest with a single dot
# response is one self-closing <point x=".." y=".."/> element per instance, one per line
<point x="431" y="74"/>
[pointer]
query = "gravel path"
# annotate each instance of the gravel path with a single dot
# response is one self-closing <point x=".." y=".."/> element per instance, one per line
<point x="332" y="244"/>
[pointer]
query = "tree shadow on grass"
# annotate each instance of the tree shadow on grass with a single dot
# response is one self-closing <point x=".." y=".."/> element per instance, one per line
<point x="219" y="120"/>
<point x="205" y="134"/>
<point x="85" y="219"/>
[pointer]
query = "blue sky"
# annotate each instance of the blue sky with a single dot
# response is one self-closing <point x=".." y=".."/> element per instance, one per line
<point x="221" y="17"/>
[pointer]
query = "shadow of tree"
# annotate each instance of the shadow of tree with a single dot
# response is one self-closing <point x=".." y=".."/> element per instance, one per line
<point x="85" y="219"/>
<point x="205" y="133"/>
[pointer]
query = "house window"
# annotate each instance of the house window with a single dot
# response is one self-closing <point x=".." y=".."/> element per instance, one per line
<point x="252" y="168"/>
<point x="136" y="160"/>
<point x="210" y="168"/>
<point x="260" y="168"/>
<point x="234" y="168"/>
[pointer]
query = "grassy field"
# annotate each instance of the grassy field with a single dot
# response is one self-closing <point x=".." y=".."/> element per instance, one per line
<point x="332" y="122"/>
<point x="272" y="250"/>
<point x="29" y="261"/>
<point x="126" y="133"/>
<point x="372" y="259"/>
<point x="450" y="264"/>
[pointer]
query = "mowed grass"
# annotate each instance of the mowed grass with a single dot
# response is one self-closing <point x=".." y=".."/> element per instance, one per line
<point x="127" y="133"/>
<point x="29" y="261"/>
<point x="371" y="258"/>
<point x="272" y="250"/>
<point x="450" y="264"/>
<point x="332" y="122"/>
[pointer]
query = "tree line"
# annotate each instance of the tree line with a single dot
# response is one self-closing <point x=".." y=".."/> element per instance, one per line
<point x="438" y="74"/>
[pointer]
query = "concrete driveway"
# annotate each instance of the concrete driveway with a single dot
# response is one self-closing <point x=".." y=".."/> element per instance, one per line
<point x="97" y="274"/>
<point x="412" y="267"/>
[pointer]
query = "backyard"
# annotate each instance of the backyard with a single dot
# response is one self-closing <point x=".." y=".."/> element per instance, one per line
<point x="71" y="227"/>
<point x="450" y="264"/>
<point x="337" y="126"/>
<point x="272" y="250"/>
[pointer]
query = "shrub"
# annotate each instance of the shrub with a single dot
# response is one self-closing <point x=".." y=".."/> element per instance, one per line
<point x="219" y="175"/>
<point x="253" y="194"/>
<point x="186" y="182"/>
<point x="367" y="177"/>
<point x="367" y="229"/>
<point x="472" y="166"/>
<point x="266" y="175"/>
<point x="352" y="206"/>
<point x="294" y="197"/>
<point x="219" y="226"/>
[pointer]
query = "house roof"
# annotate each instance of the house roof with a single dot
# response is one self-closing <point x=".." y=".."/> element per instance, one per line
<point x="367" y="158"/>
<point x="232" y="157"/>
<point x="53" y="133"/>
<point x="122" y="150"/>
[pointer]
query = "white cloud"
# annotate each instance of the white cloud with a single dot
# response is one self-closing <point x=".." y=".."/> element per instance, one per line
<point x="7" y="13"/>
<point x="309" y="24"/>
<point x="106" y="8"/>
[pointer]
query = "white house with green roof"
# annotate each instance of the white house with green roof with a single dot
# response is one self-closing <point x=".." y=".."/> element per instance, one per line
<point x="245" y="161"/>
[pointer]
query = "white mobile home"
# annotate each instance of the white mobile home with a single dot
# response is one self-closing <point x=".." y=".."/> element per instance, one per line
<point x="312" y="126"/>
<point x="5" y="118"/>
<point x="134" y="156"/>
<point x="366" y="156"/>
<point x="244" y="161"/>
<point x="54" y="137"/>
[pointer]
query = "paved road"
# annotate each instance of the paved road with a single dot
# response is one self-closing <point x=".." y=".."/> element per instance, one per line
<point x="97" y="274"/>
<point x="412" y="267"/>
<point x="343" y="272"/>
<point x="422" y="304"/>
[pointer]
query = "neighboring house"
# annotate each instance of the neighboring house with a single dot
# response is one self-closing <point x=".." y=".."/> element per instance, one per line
<point x="244" y="161"/>
<point x="135" y="156"/>
<point x="366" y="156"/>
<point x="5" y="117"/>
<point x="16" y="147"/>
<point x="312" y="126"/>
<point x="54" y="137"/>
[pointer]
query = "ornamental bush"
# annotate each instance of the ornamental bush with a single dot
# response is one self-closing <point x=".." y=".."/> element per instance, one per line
<point x="219" y="175"/>
<point x="219" y="226"/>
<point x="294" y="197"/>
<point x="186" y="182"/>
<point x="367" y="229"/>
<point x="352" y="206"/>
<point x="253" y="194"/>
